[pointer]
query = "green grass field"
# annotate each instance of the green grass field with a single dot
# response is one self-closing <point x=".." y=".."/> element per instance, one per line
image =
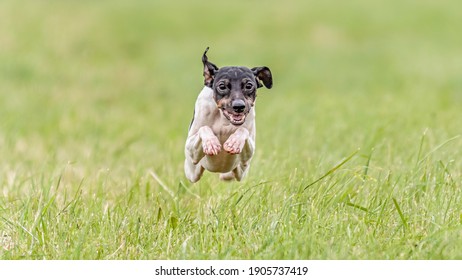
<point x="359" y="143"/>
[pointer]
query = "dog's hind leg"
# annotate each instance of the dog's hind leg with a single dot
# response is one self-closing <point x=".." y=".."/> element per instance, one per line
<point x="199" y="144"/>
<point x="193" y="171"/>
<point x="240" y="171"/>
<point x="229" y="176"/>
<point x="237" y="173"/>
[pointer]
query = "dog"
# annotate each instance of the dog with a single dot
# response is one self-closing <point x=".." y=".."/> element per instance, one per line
<point x="221" y="135"/>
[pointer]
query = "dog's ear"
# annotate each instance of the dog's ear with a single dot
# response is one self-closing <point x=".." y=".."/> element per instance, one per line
<point x="263" y="74"/>
<point x="209" y="69"/>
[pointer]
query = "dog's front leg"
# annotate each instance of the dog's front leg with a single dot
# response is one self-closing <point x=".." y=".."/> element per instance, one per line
<point x="240" y="143"/>
<point x="202" y="143"/>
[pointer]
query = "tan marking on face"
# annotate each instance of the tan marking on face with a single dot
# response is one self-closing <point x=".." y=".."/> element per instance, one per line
<point x="223" y="102"/>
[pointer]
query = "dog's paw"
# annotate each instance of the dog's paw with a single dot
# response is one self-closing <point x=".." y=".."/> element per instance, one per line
<point x="211" y="146"/>
<point x="234" y="144"/>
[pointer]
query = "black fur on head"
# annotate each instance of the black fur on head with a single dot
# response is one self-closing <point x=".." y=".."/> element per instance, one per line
<point x="235" y="87"/>
<point x="262" y="74"/>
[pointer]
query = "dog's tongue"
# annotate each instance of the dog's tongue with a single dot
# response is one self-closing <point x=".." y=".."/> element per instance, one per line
<point x="237" y="118"/>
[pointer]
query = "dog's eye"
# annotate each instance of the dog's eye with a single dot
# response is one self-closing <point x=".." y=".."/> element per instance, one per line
<point x="222" y="87"/>
<point x="248" y="86"/>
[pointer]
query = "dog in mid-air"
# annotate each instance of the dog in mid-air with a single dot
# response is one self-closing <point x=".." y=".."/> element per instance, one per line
<point x="221" y="136"/>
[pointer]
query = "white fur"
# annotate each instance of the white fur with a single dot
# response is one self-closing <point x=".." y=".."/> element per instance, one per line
<point x="216" y="145"/>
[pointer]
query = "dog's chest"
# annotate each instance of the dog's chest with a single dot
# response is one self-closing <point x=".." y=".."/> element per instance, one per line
<point x="223" y="129"/>
<point x="208" y="114"/>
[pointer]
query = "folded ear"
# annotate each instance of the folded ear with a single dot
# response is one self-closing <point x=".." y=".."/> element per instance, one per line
<point x="263" y="74"/>
<point x="209" y="69"/>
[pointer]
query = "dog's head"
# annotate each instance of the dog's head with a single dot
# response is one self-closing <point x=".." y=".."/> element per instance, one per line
<point x="235" y="87"/>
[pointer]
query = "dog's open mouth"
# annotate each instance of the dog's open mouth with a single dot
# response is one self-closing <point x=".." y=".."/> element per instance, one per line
<point x="234" y="118"/>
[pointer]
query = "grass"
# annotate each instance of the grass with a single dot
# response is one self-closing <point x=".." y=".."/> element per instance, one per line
<point x="358" y="143"/>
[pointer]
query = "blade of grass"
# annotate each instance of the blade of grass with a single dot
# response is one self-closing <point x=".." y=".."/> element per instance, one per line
<point x="366" y="167"/>
<point x="401" y="215"/>
<point x="437" y="148"/>
<point x="332" y="170"/>
<point x="164" y="186"/>
<point x="419" y="154"/>
<point x="188" y="190"/>
<point x="18" y="225"/>
<point x="357" y="207"/>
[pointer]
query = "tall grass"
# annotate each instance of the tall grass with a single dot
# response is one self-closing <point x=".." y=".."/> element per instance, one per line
<point x="358" y="144"/>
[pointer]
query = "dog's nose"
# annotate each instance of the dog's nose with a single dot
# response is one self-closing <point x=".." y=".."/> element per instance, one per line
<point x="238" y="105"/>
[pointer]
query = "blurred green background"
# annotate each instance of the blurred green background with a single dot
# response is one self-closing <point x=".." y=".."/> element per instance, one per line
<point x="130" y="70"/>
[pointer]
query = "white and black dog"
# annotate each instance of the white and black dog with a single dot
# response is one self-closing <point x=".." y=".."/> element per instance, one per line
<point x="221" y="136"/>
